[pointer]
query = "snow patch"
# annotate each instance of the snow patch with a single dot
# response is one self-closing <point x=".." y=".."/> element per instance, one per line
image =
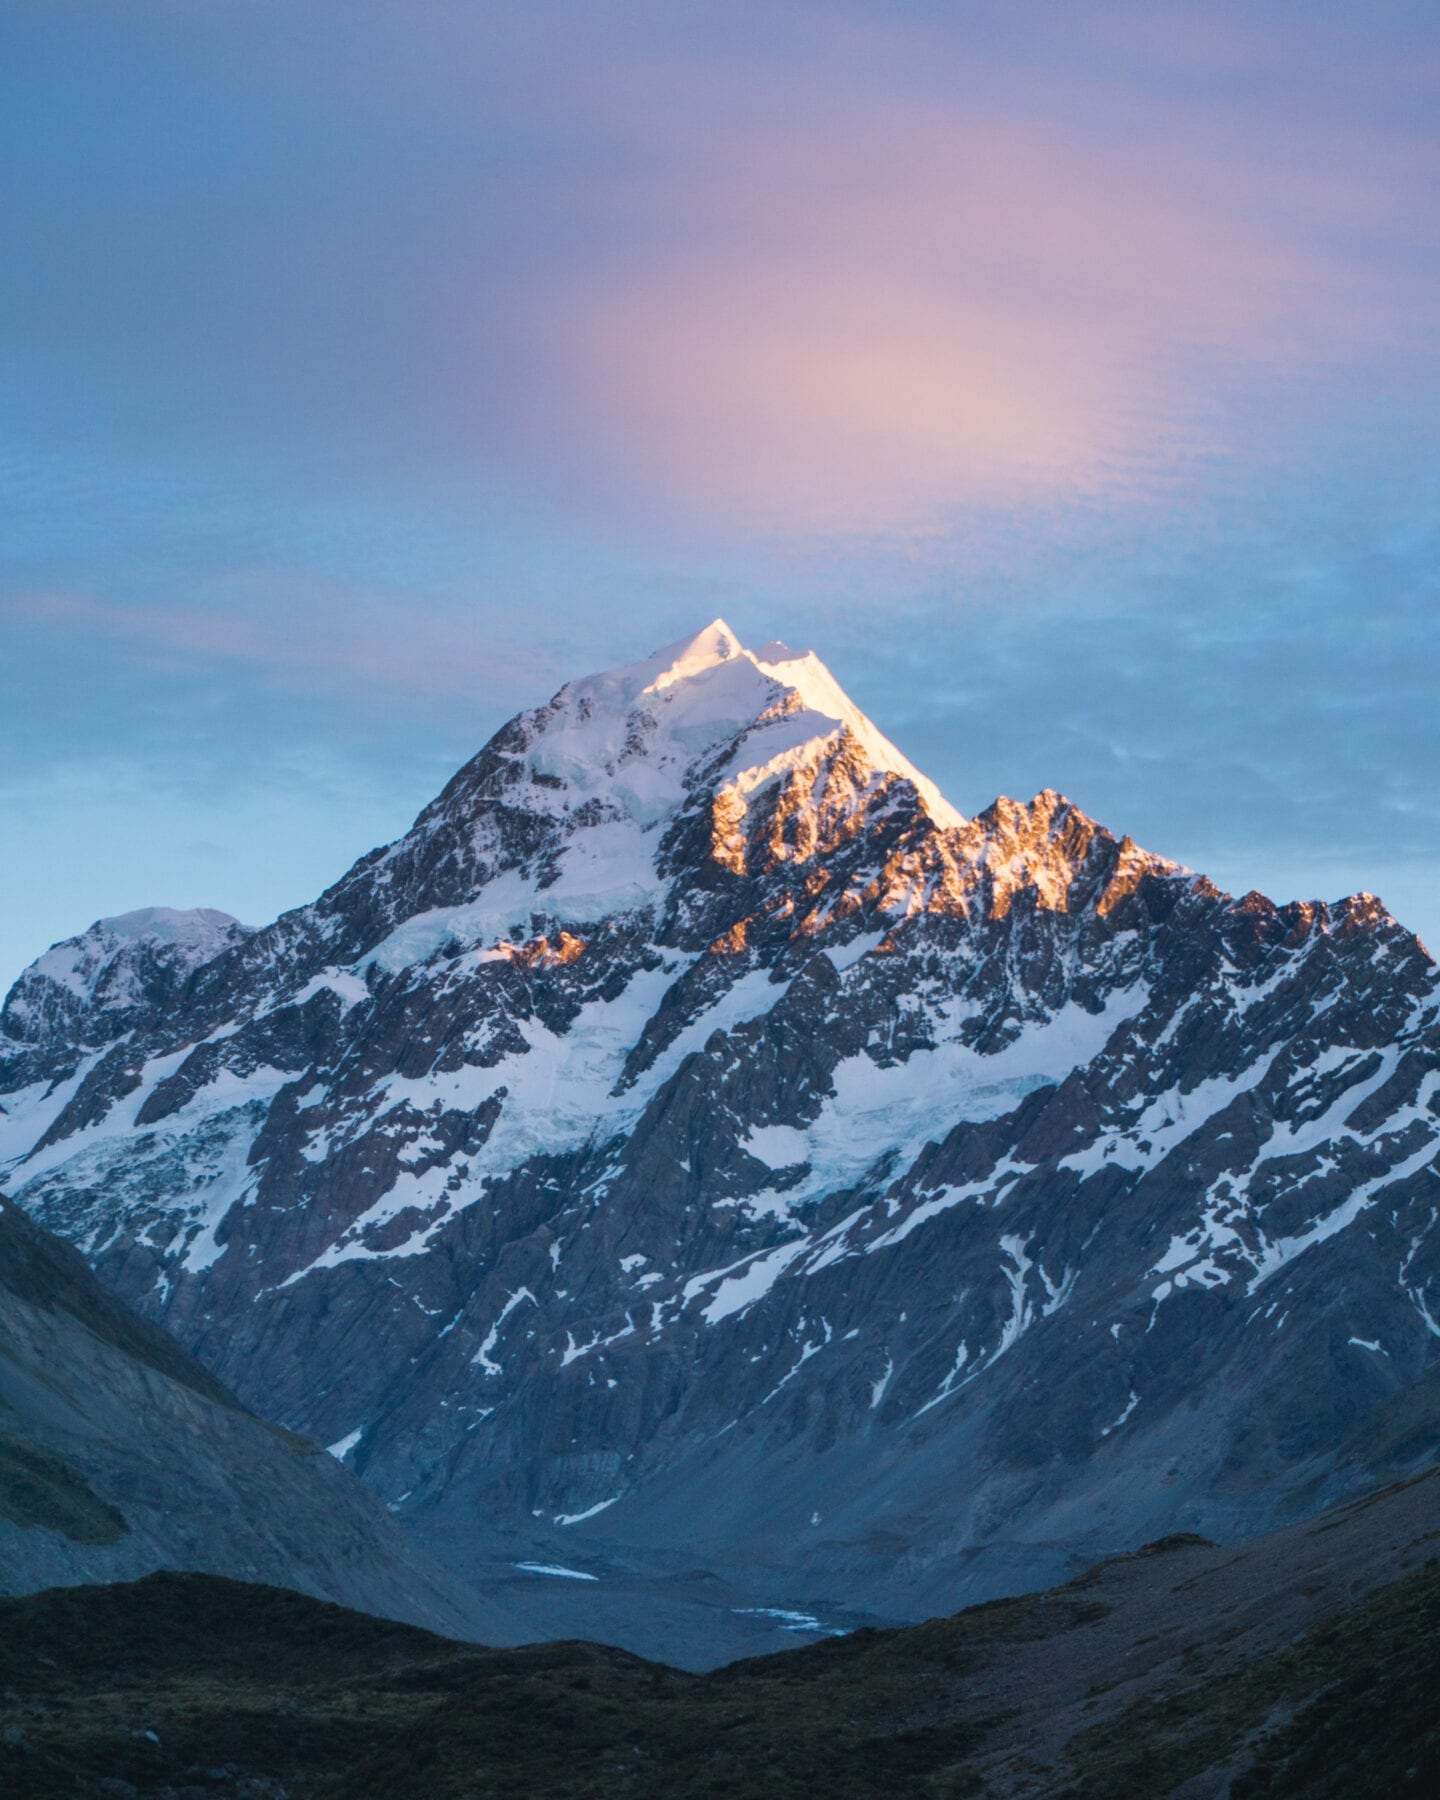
<point x="736" y="1292"/>
<point x="482" y="1357"/>
<point x="589" y="1513"/>
<point x="1130" y="1406"/>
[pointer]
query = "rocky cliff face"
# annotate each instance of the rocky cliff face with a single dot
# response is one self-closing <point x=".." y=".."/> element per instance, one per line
<point x="694" y="1134"/>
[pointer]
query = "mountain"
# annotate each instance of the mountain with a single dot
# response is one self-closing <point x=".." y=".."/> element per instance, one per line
<point x="695" y="1153"/>
<point x="115" y="978"/>
<point x="1300" y="1666"/>
<point x="120" y="1455"/>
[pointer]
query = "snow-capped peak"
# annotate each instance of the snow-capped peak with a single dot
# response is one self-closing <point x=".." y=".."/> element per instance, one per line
<point x="639" y="732"/>
<point x="576" y="811"/>
<point x="715" y="644"/>
<point x="91" y="982"/>
<point x="195" y="927"/>
<point x="192" y="936"/>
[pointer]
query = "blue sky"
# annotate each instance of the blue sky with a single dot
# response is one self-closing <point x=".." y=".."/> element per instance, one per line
<point x="1066" y="376"/>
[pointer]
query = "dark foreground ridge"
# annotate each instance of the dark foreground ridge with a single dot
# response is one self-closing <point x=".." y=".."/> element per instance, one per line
<point x="120" y="1455"/>
<point x="1301" y="1664"/>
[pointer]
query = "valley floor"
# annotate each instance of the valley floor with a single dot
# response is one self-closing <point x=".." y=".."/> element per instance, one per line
<point x="1300" y="1664"/>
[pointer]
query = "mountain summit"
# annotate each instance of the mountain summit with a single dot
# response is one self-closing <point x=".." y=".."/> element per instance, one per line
<point x="705" y="710"/>
<point x="696" y="1146"/>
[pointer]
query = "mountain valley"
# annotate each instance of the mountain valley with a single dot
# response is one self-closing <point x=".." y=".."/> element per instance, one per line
<point x="1299" y="1666"/>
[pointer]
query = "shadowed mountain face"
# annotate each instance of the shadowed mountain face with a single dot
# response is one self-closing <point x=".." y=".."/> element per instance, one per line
<point x="1300" y="1667"/>
<point x="695" y="1147"/>
<point x="119" y="1454"/>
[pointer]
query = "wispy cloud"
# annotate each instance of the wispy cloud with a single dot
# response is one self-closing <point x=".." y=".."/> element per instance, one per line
<point x="296" y="632"/>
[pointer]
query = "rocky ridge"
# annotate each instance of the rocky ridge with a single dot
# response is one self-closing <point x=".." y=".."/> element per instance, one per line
<point x="694" y="1139"/>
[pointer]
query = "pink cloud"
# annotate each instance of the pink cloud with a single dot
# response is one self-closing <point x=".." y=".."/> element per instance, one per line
<point x="808" y="265"/>
<point x="856" y="299"/>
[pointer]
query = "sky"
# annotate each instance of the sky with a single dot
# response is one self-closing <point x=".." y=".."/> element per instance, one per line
<point x="1067" y="377"/>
